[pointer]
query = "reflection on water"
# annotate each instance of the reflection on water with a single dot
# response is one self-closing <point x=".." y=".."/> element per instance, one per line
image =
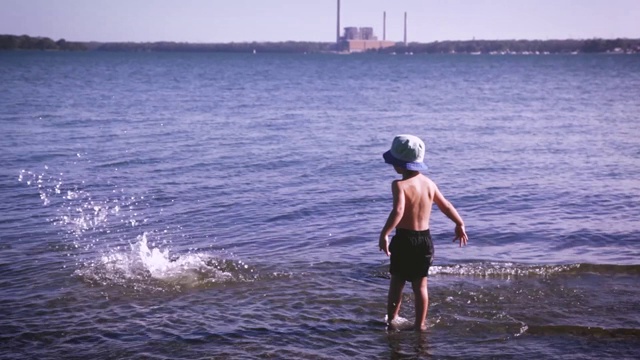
<point x="412" y="345"/>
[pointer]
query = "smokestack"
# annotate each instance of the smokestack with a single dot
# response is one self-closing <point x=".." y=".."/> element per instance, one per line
<point x="338" y="25"/>
<point x="405" y="28"/>
<point x="384" y="25"/>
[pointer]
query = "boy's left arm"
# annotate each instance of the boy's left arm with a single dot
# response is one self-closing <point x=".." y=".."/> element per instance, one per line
<point x="450" y="211"/>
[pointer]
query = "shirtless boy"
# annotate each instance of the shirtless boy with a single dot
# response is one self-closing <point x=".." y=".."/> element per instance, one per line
<point x="411" y="248"/>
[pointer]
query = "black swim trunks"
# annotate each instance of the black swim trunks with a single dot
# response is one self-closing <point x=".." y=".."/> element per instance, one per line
<point x="411" y="254"/>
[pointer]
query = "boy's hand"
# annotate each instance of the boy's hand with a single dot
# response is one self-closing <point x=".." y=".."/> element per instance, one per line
<point x="461" y="235"/>
<point x="383" y="244"/>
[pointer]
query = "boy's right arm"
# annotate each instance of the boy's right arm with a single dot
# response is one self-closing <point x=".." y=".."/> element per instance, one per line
<point x="394" y="217"/>
<point x="445" y="206"/>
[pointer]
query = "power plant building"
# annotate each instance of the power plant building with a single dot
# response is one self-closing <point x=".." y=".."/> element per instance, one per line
<point x="366" y="33"/>
<point x="361" y="39"/>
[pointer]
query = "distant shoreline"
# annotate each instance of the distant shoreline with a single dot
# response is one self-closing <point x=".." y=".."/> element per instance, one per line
<point x="494" y="47"/>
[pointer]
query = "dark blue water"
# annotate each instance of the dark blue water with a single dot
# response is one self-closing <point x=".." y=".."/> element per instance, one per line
<point x="228" y="206"/>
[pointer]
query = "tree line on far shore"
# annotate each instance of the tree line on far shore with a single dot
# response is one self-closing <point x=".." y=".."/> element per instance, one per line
<point x="520" y="46"/>
<point x="244" y="47"/>
<point x="24" y="42"/>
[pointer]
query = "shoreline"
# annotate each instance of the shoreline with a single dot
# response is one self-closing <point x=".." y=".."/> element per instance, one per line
<point x="470" y="47"/>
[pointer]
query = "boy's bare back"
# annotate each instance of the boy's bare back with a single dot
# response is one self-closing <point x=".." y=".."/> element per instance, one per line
<point x="415" y="199"/>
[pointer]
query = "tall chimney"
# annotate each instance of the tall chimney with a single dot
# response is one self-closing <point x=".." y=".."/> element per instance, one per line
<point x="338" y="25"/>
<point x="405" y="28"/>
<point x="384" y="25"/>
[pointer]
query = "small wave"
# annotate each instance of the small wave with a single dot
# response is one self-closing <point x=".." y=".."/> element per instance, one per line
<point x="608" y="269"/>
<point x="494" y="269"/>
<point x="500" y="269"/>
<point x="590" y="331"/>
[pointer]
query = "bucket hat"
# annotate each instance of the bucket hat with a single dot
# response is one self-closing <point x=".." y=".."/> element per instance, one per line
<point x="407" y="151"/>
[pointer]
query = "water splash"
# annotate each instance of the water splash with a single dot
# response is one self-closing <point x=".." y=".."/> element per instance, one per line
<point x="115" y="242"/>
<point x="151" y="268"/>
<point x="77" y="211"/>
<point x="398" y="324"/>
<point x="47" y="185"/>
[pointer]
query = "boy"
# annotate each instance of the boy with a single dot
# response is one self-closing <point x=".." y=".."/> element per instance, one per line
<point x="411" y="248"/>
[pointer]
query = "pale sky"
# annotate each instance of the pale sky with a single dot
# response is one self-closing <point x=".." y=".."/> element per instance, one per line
<point x="218" y="21"/>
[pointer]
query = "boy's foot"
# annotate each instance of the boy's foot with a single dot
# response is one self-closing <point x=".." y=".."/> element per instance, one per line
<point x="422" y="328"/>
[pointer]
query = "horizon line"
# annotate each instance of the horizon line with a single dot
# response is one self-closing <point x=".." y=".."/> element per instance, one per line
<point x="314" y="41"/>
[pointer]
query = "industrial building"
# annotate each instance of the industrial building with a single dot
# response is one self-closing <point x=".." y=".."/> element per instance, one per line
<point x="361" y="39"/>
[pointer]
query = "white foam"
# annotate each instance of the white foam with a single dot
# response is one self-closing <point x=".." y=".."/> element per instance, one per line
<point x="488" y="269"/>
<point x="399" y="323"/>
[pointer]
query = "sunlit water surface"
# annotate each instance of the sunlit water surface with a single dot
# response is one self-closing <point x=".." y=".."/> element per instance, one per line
<point x="228" y="206"/>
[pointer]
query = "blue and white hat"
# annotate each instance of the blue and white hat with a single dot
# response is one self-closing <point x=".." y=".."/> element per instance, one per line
<point x="407" y="151"/>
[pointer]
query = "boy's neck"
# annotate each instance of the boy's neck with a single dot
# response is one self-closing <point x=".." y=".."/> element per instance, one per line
<point x="408" y="174"/>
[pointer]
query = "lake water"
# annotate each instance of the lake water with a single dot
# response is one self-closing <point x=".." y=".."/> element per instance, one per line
<point x="227" y="206"/>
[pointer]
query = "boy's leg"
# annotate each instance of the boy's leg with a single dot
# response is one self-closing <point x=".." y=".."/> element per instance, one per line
<point x="394" y="298"/>
<point x="422" y="302"/>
